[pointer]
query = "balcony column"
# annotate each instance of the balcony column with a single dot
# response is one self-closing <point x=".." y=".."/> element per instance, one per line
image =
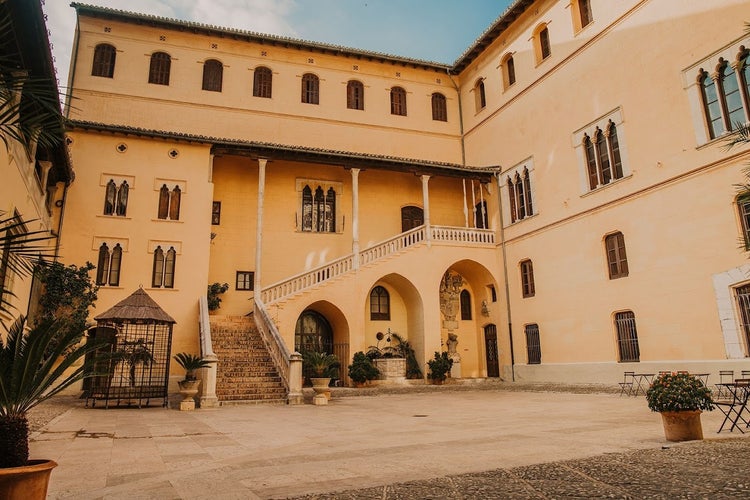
<point x="259" y="223"/>
<point x="355" y="217"/>
<point x="466" y="209"/>
<point x="426" y="210"/>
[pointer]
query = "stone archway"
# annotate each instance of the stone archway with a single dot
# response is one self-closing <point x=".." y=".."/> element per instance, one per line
<point x="322" y="326"/>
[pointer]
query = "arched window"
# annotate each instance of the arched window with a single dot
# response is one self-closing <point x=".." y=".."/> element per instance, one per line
<point x="602" y="154"/>
<point x="730" y="89"/>
<point x="603" y="159"/>
<point x="398" y="101"/>
<point x="614" y="151"/>
<point x="355" y="95"/>
<point x="262" y="82"/>
<point x="104" y="61"/>
<point x="157" y="274"/>
<point x="169" y="265"/>
<point x="307" y="209"/>
<point x="512" y="198"/>
<point x="313" y="332"/>
<point x="330" y="211"/>
<point x="158" y="71"/>
<point x="116" y="198"/>
<point x="509" y="70"/>
<point x="380" y="304"/>
<point x="582" y="15"/>
<point x="465" y="299"/>
<point x="744" y="71"/>
<point x="102" y="265"/>
<point x="439" y="107"/>
<point x="479" y="95"/>
<point x="310" y="89"/>
<point x="213" y="73"/>
<point x="520" y="196"/>
<point x="108" y="265"/>
<point x="617" y="260"/>
<point x="711" y="105"/>
<point x="169" y="203"/>
<point x="411" y="217"/>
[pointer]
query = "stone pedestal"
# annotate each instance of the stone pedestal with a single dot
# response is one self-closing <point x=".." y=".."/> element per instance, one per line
<point x="186" y="405"/>
<point x="456" y="368"/>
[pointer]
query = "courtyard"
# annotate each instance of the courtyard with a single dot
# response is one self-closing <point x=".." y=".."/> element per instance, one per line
<point x="478" y="443"/>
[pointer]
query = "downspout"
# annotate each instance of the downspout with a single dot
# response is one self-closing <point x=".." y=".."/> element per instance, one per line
<point x="505" y="275"/>
<point x="60" y="222"/>
<point x="460" y="117"/>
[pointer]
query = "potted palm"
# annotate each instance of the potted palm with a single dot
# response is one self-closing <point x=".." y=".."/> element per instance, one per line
<point x="320" y="367"/>
<point x="189" y="385"/>
<point x="362" y="370"/>
<point x="680" y="398"/>
<point x="35" y="364"/>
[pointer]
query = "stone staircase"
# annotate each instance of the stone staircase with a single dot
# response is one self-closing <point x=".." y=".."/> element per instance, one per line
<point x="245" y="372"/>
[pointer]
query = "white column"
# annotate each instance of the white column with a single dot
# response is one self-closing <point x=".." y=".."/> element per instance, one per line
<point x="466" y="209"/>
<point x="473" y="204"/>
<point x="259" y="223"/>
<point x="426" y="209"/>
<point x="355" y="216"/>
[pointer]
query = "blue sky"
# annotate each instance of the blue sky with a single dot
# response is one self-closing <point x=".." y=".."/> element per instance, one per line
<point x="433" y="30"/>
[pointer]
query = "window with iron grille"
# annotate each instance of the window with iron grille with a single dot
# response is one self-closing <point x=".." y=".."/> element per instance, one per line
<point x="104" y="61"/>
<point x="527" y="278"/>
<point x="465" y="300"/>
<point x="617" y="260"/>
<point x="159" y="69"/>
<point x="533" y="345"/>
<point x="439" y="107"/>
<point x="108" y="265"/>
<point x="262" y="82"/>
<point x="355" y="95"/>
<point x="380" y="304"/>
<point x="398" y="101"/>
<point x="310" y="89"/>
<point x="245" y="280"/>
<point x="627" y="337"/>
<point x="213" y="73"/>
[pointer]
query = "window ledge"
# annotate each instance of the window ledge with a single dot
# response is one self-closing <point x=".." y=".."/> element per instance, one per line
<point x="518" y="221"/>
<point x="716" y="140"/>
<point x="605" y="186"/>
<point x="168" y="220"/>
<point x="151" y="288"/>
<point x="114" y="217"/>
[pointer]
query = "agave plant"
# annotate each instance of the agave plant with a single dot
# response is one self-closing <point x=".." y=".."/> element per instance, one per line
<point x="30" y="373"/>
<point x="190" y="363"/>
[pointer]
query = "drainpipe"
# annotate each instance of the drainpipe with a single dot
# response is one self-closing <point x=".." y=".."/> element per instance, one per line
<point x="505" y="274"/>
<point x="460" y="117"/>
<point x="60" y="222"/>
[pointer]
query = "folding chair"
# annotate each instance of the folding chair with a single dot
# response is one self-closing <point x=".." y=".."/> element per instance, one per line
<point x="626" y="386"/>
<point x="735" y="406"/>
<point x="725" y="377"/>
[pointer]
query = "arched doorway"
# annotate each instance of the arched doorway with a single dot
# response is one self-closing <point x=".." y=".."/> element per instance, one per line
<point x="490" y="349"/>
<point x="313" y="332"/>
<point x="411" y="217"/>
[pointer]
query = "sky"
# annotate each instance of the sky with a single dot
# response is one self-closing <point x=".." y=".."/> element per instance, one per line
<point x="431" y="30"/>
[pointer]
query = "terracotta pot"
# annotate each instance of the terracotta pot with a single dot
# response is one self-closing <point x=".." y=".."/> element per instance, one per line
<point x="28" y="482"/>
<point x="682" y="425"/>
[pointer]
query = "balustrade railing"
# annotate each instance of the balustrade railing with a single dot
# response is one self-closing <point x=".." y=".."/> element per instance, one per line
<point x="381" y="250"/>
<point x="208" y="387"/>
<point x="278" y="350"/>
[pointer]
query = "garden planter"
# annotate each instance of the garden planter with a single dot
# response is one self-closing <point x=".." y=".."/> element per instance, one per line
<point x="188" y="390"/>
<point x="28" y="482"/>
<point x="322" y="391"/>
<point x="682" y="425"/>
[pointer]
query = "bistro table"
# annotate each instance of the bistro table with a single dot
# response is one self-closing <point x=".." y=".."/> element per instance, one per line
<point x="734" y="407"/>
<point x="641" y="382"/>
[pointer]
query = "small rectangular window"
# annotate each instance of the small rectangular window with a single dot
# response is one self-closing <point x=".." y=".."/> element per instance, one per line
<point x="527" y="278"/>
<point x="245" y="280"/>
<point x="617" y="261"/>
<point x="216" y="213"/>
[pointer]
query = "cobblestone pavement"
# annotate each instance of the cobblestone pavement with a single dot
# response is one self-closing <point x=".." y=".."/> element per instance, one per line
<point x="716" y="469"/>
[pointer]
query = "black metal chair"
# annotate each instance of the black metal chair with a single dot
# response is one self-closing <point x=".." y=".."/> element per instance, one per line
<point x="626" y="386"/>
<point x="734" y="406"/>
<point x="725" y="377"/>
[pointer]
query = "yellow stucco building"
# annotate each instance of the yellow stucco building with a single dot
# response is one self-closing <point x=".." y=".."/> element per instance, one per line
<point x="559" y="197"/>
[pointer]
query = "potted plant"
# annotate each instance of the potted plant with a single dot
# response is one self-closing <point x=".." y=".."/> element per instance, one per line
<point x="189" y="385"/>
<point x="320" y="367"/>
<point x="680" y="398"/>
<point x="35" y="365"/>
<point x="362" y="370"/>
<point x="440" y="365"/>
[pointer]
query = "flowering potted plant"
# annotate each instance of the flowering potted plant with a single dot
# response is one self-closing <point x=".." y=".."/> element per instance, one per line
<point x="680" y="398"/>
